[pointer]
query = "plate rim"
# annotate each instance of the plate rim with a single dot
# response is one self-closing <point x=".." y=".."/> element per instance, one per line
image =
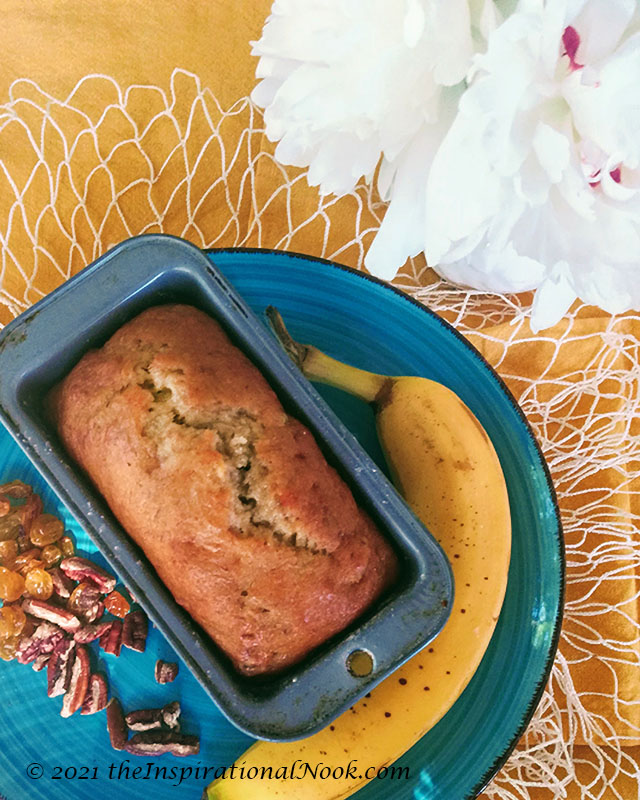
<point x="536" y="697"/>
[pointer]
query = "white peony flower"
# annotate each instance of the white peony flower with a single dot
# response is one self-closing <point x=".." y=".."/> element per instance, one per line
<point x="346" y="81"/>
<point x="507" y="134"/>
<point x="536" y="182"/>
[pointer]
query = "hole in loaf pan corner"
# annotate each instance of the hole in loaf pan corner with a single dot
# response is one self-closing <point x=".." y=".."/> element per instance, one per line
<point x="360" y="663"/>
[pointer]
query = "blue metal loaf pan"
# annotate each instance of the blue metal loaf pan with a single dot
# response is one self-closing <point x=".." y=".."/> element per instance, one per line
<point x="45" y="342"/>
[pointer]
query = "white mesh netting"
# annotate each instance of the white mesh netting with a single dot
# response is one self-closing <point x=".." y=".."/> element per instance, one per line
<point x="81" y="173"/>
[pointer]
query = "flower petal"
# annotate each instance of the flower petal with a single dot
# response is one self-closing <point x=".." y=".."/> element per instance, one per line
<point x="553" y="298"/>
<point x="494" y="270"/>
<point x="400" y="234"/>
<point x="601" y="24"/>
<point x="552" y="149"/>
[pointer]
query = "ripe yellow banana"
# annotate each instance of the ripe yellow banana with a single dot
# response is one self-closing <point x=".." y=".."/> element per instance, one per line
<point x="445" y="466"/>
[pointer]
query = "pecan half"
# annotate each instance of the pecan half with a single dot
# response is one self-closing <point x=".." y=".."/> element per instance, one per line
<point x="43" y="640"/>
<point x="62" y="586"/>
<point x="116" y="725"/>
<point x="156" y="743"/>
<point x="47" y="611"/>
<point x="144" y="719"/>
<point x="134" y="630"/>
<point x="112" y="638"/>
<point x="89" y="633"/>
<point x="105" y="635"/>
<point x="166" y="671"/>
<point x="95" y="612"/>
<point x="77" y="691"/>
<point x="171" y="714"/>
<point x="41" y="662"/>
<point x="96" y="697"/>
<point x="81" y="569"/>
<point x="59" y="668"/>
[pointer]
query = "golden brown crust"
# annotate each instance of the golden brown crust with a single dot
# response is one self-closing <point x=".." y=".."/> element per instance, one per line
<point x="232" y="501"/>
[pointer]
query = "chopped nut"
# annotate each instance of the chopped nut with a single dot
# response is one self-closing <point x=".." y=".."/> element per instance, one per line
<point x="157" y="743"/>
<point x="144" y="719"/>
<point x="96" y="697"/>
<point x="62" y="586"/>
<point x="170" y="714"/>
<point x="89" y="633"/>
<point x="43" y="640"/>
<point x="105" y="635"/>
<point x="47" y="611"/>
<point x="81" y="569"/>
<point x="94" y="613"/>
<point x="166" y="671"/>
<point x="113" y="640"/>
<point x="41" y="662"/>
<point x="187" y="745"/>
<point x="59" y="668"/>
<point x="116" y="725"/>
<point x="78" y="684"/>
<point x="134" y="631"/>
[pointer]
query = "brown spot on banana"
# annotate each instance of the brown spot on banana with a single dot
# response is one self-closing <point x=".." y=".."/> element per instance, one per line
<point x="383" y="398"/>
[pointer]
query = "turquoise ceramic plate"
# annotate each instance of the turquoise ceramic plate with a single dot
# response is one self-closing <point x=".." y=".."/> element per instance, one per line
<point x="365" y="322"/>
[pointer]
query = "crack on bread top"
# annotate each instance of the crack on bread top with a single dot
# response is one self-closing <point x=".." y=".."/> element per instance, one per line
<point x="236" y="432"/>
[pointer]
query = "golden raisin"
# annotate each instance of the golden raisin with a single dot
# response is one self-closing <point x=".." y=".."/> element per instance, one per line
<point x="117" y="604"/>
<point x="5" y="505"/>
<point x="8" y="551"/>
<point x="76" y="594"/>
<point x="11" y="585"/>
<point x="29" y="628"/>
<point x="51" y="554"/>
<point x="39" y="583"/>
<point x="35" y="563"/>
<point x="46" y="529"/>
<point x="8" y="648"/>
<point x="17" y="489"/>
<point x="84" y="595"/>
<point x="12" y="621"/>
<point x="29" y="512"/>
<point x="66" y="545"/>
<point x="24" y="559"/>
<point x="9" y="527"/>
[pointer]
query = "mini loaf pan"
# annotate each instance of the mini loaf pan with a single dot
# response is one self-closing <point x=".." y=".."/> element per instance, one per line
<point x="41" y="346"/>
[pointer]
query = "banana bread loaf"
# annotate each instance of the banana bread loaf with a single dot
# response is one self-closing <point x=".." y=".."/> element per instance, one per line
<point x="254" y="534"/>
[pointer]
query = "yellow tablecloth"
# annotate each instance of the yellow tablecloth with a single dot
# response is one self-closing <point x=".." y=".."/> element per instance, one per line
<point x="118" y="118"/>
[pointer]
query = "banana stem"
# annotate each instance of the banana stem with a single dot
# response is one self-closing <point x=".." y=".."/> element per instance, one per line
<point x="318" y="366"/>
